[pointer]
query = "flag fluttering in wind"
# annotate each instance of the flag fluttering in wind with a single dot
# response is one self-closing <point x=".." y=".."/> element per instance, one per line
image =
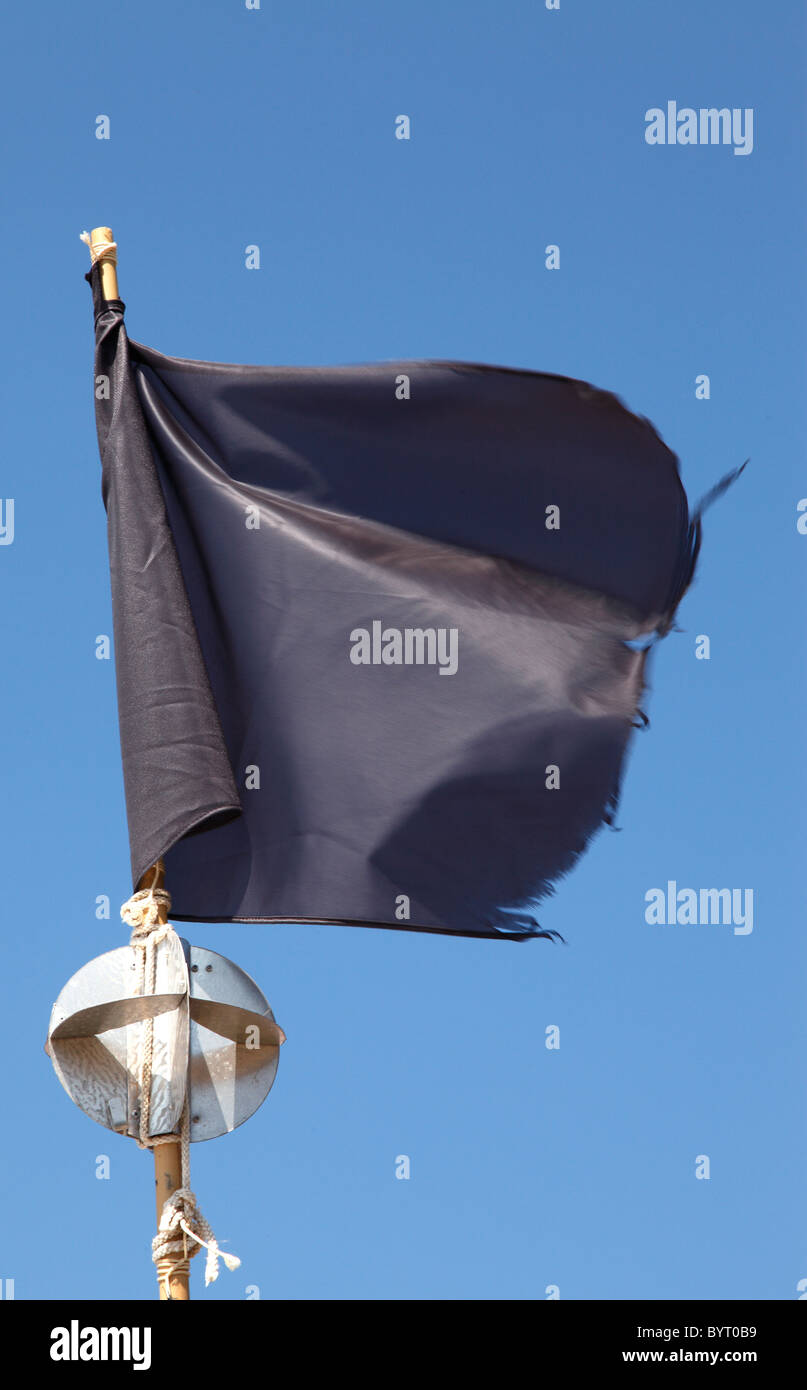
<point x="376" y="629"/>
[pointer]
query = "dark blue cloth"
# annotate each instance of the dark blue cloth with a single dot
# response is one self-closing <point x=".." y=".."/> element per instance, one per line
<point x="261" y="517"/>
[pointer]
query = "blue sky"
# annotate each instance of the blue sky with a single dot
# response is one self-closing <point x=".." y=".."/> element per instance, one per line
<point x="530" y="1168"/>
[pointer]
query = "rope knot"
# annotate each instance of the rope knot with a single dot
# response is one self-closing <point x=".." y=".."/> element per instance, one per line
<point x="181" y="1212"/>
<point x="141" y="912"/>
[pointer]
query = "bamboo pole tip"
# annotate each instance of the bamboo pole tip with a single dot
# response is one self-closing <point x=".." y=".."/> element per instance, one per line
<point x="102" y="244"/>
<point x="104" y="251"/>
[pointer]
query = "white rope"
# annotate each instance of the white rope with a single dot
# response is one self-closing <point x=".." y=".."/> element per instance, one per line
<point x="142" y="914"/>
<point x="101" y="250"/>
<point x="181" y="1211"/>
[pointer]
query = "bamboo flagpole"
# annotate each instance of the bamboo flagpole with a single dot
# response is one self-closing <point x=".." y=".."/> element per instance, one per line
<point x="172" y="1275"/>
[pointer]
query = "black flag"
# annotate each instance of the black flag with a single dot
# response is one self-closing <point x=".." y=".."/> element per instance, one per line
<point x="376" y="629"/>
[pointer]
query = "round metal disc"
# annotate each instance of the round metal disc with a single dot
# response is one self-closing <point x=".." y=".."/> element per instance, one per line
<point x="213" y="1033"/>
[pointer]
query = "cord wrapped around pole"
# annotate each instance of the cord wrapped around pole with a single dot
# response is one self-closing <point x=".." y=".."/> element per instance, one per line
<point x="179" y="1218"/>
<point x="149" y="908"/>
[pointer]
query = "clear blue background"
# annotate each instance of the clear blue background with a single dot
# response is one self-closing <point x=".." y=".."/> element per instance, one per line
<point x="228" y="127"/>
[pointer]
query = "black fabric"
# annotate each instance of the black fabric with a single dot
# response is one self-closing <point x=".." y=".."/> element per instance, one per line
<point x="260" y="516"/>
